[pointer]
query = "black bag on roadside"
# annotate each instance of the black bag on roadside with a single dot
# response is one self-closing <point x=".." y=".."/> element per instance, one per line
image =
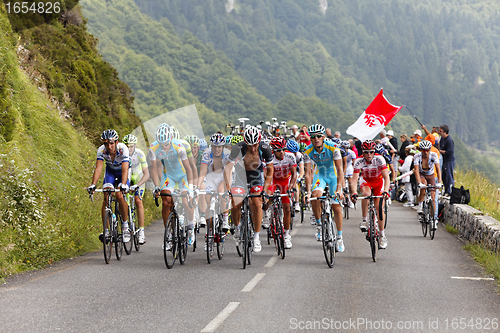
<point x="459" y="195"/>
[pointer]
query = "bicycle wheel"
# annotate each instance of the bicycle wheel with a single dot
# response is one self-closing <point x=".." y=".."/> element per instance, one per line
<point x="107" y="243"/>
<point x="280" y="233"/>
<point x="432" y="229"/>
<point x="118" y="238"/>
<point x="424" y="219"/>
<point x="209" y="240"/>
<point x="169" y="241"/>
<point x="327" y="240"/>
<point x="182" y="243"/>
<point x="372" y="235"/>
<point x="128" y="245"/>
<point x="244" y="238"/>
<point x="220" y="238"/>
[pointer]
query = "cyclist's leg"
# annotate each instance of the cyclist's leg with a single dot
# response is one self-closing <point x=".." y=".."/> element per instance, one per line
<point x="167" y="186"/>
<point x="139" y="206"/>
<point x="432" y="181"/>
<point x="283" y="186"/>
<point x="256" y="180"/>
<point x="421" y="194"/>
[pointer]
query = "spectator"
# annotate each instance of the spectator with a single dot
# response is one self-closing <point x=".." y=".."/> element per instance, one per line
<point x="394" y="142"/>
<point x="404" y="143"/>
<point x="357" y="144"/>
<point x="447" y="147"/>
<point x="404" y="168"/>
<point x="295" y="131"/>
<point x="353" y="147"/>
<point x="417" y="136"/>
<point x="329" y="133"/>
<point x="304" y="136"/>
<point x="385" y="141"/>
<point x="337" y="135"/>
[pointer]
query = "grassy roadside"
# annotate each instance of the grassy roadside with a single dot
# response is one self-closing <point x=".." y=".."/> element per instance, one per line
<point x="484" y="195"/>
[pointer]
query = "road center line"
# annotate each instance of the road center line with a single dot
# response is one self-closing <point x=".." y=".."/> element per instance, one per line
<point x="250" y="285"/>
<point x="271" y="261"/>
<point x="471" y="278"/>
<point x="212" y="326"/>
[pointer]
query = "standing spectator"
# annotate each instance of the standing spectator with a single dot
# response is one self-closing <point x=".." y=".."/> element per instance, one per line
<point x="417" y="137"/>
<point x="404" y="143"/>
<point x="304" y="136"/>
<point x="295" y="131"/>
<point x="404" y="168"/>
<point x="385" y="141"/>
<point x="337" y="135"/>
<point x="357" y="144"/>
<point x="353" y="147"/>
<point x="329" y="133"/>
<point x="394" y="142"/>
<point x="447" y="147"/>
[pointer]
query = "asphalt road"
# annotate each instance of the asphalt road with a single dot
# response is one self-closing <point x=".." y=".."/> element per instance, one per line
<point x="416" y="285"/>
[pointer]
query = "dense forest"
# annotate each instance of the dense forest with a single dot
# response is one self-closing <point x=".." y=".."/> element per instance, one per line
<point x="439" y="57"/>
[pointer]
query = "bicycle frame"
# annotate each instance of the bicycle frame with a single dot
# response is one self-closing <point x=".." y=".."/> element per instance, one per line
<point x="372" y="234"/>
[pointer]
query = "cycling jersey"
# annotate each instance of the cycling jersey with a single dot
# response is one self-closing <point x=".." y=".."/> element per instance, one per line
<point x="137" y="163"/>
<point x="433" y="160"/>
<point x="283" y="168"/>
<point x="172" y="164"/>
<point x="255" y="178"/>
<point x="372" y="170"/>
<point x="325" y="160"/>
<point x="351" y="157"/>
<point x="122" y="155"/>
<point x="187" y="146"/>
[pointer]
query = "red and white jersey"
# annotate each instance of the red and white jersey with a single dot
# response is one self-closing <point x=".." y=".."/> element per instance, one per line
<point x="283" y="168"/>
<point x="372" y="170"/>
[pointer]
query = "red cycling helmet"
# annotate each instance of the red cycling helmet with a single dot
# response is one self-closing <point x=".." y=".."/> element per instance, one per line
<point x="368" y="145"/>
<point x="278" y="143"/>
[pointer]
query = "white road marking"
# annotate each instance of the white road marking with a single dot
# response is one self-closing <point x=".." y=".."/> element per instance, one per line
<point x="250" y="285"/>
<point x="271" y="261"/>
<point x="212" y="326"/>
<point x="471" y="278"/>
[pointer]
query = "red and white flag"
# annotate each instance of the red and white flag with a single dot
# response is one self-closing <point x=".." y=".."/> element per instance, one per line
<point x="378" y="114"/>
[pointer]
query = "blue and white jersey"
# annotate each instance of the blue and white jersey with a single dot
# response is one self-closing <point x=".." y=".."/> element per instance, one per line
<point x="122" y="155"/>
<point x="171" y="159"/>
<point x="208" y="159"/>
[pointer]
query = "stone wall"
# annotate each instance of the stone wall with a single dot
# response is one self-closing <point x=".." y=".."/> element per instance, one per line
<point x="473" y="225"/>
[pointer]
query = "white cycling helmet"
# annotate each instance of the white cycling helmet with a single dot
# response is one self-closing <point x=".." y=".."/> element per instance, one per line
<point x="425" y="145"/>
<point x="252" y="136"/>
<point x="164" y="134"/>
<point x="217" y="140"/>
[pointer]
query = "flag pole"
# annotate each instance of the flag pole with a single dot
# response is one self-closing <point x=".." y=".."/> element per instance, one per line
<point x="418" y="121"/>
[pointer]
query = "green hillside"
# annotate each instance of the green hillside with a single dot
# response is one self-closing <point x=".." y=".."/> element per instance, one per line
<point x="56" y="95"/>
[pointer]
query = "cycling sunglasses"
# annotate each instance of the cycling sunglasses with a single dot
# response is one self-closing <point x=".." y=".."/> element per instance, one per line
<point x="317" y="136"/>
<point x="279" y="150"/>
<point x="369" y="151"/>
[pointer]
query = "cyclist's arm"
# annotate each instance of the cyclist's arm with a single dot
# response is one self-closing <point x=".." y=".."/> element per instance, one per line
<point x="344" y="163"/>
<point x="438" y="171"/>
<point x="145" y="176"/>
<point x="416" y="172"/>
<point x="228" y="169"/>
<point x="354" y="181"/>
<point x="269" y="175"/>
<point x="189" y="171"/>
<point x="203" y="173"/>
<point x="125" y="166"/>
<point x="97" y="172"/>
<point x="340" y="175"/>
<point x="387" y="182"/>
<point x="154" y="172"/>
<point x="301" y="170"/>
<point x="293" y="179"/>
<point x="194" y="170"/>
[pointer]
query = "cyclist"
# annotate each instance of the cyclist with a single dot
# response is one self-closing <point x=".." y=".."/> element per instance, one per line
<point x="374" y="176"/>
<point x="249" y="169"/>
<point x="140" y="174"/>
<point x="116" y="156"/>
<point x="284" y="174"/>
<point x="329" y="171"/>
<point x="211" y="172"/>
<point x="293" y="147"/>
<point x="187" y="146"/>
<point x="169" y="159"/>
<point x="350" y="157"/>
<point x="194" y="142"/>
<point x="425" y="162"/>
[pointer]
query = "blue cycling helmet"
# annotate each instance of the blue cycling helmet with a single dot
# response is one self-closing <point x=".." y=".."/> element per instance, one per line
<point x="292" y="146"/>
<point x="164" y="134"/>
<point x="379" y="148"/>
<point x="346" y="144"/>
<point x="228" y="140"/>
<point x="337" y="140"/>
<point x="317" y="129"/>
<point x="203" y="144"/>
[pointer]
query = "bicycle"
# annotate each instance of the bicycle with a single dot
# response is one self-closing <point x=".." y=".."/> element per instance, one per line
<point x="328" y="227"/>
<point x="345" y="202"/>
<point x="372" y="234"/>
<point x="276" y="229"/>
<point x="292" y="207"/>
<point x="215" y="233"/>
<point x="302" y="199"/>
<point x="133" y="224"/>
<point x="111" y="228"/>
<point x="427" y="218"/>
<point x="175" y="241"/>
<point x="245" y="245"/>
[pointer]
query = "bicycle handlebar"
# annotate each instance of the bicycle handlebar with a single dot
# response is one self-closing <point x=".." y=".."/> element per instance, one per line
<point x="173" y="195"/>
